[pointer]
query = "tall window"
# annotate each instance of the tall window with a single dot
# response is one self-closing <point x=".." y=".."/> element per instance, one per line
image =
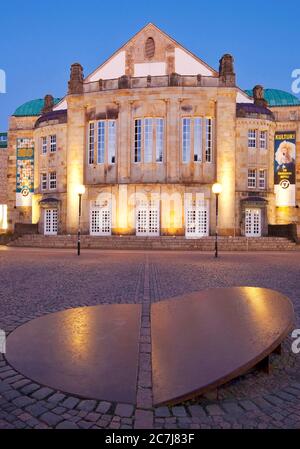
<point x="263" y="140"/>
<point x="101" y="142"/>
<point x="112" y="140"/>
<point x="148" y="136"/>
<point x="198" y="140"/>
<point x="252" y="138"/>
<point x="251" y="178"/>
<point x="92" y="143"/>
<point x="262" y="179"/>
<point x="209" y="141"/>
<point x="186" y="139"/>
<point x="52" y="180"/>
<point x="196" y="131"/>
<point x="44" y="181"/>
<point x="138" y="140"/>
<point x="159" y="139"/>
<point x="44" y="145"/>
<point x="52" y="144"/>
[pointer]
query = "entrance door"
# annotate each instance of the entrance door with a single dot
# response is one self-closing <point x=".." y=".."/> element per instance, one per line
<point x="51" y="222"/>
<point x="147" y="219"/>
<point x="197" y="219"/>
<point x="253" y="223"/>
<point x="100" y="220"/>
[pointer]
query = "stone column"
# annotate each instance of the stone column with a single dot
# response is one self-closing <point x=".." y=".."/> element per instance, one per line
<point x="225" y="151"/>
<point x="172" y="143"/>
<point x="76" y="156"/>
<point x="124" y="141"/>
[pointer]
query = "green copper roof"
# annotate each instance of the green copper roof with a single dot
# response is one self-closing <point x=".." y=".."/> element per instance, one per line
<point x="32" y="108"/>
<point x="3" y="140"/>
<point x="276" y="97"/>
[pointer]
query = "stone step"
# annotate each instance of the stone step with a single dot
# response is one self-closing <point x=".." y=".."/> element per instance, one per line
<point x="157" y="243"/>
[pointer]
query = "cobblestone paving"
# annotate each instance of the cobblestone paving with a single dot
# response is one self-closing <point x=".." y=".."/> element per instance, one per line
<point x="36" y="282"/>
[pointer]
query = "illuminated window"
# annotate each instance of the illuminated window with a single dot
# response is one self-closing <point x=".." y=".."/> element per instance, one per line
<point x="91" y="143"/>
<point x="197" y="140"/>
<point x="101" y="142"/>
<point x="152" y="131"/>
<point x="52" y="180"/>
<point x="251" y="178"/>
<point x="112" y="140"/>
<point x="159" y="139"/>
<point x="252" y="138"/>
<point x="263" y="139"/>
<point x="186" y="140"/>
<point x="44" y="145"/>
<point x="192" y="138"/>
<point x="262" y="178"/>
<point x="148" y="136"/>
<point x="138" y="140"/>
<point x="52" y="144"/>
<point x="209" y="142"/>
<point x="44" y="181"/>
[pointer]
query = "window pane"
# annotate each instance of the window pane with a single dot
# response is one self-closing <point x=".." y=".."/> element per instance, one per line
<point x="159" y="139"/>
<point x="101" y="142"/>
<point x="148" y="130"/>
<point x="112" y="141"/>
<point x="263" y="140"/>
<point x="91" y="143"/>
<point x="44" y="181"/>
<point x="252" y="138"/>
<point x="52" y="180"/>
<point x="44" y="145"/>
<point x="262" y="179"/>
<point x="52" y="144"/>
<point x="186" y="139"/>
<point x="251" y="178"/>
<point x="208" y="151"/>
<point x="138" y="140"/>
<point x="198" y="140"/>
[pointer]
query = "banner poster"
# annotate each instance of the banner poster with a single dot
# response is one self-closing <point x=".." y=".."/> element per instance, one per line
<point x="25" y="172"/>
<point x="285" y="168"/>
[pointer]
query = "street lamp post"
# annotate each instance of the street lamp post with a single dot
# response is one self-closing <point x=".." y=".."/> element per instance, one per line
<point x="217" y="189"/>
<point x="80" y="191"/>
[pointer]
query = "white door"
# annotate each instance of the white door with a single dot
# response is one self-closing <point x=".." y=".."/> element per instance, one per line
<point x="100" y="220"/>
<point x="253" y="223"/>
<point x="147" y="219"/>
<point x="197" y="219"/>
<point x="51" y="222"/>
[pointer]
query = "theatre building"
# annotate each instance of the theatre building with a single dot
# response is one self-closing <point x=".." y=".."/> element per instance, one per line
<point x="144" y="138"/>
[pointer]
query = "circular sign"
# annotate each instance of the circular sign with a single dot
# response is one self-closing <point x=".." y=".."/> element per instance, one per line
<point x="285" y="184"/>
<point x="25" y="191"/>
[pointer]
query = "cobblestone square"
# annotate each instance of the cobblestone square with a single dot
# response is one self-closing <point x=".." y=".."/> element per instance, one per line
<point x="36" y="282"/>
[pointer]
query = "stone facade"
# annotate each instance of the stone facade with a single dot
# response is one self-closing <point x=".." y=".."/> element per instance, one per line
<point x="152" y="81"/>
<point x="3" y="182"/>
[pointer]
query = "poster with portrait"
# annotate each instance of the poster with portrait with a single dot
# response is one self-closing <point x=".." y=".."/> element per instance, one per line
<point x="285" y="168"/>
<point x="25" y="172"/>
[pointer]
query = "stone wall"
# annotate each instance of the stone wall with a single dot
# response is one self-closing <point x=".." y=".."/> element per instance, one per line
<point x="3" y="176"/>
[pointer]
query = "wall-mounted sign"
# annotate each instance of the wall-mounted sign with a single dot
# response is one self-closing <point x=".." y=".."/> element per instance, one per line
<point x="25" y="172"/>
<point x="285" y="168"/>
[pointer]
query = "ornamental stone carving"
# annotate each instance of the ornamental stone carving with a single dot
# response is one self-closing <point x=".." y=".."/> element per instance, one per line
<point x="76" y="79"/>
<point x="258" y="95"/>
<point x="226" y="71"/>
<point x="48" y="104"/>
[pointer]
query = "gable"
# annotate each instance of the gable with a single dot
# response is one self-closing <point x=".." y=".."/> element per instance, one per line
<point x="151" y="52"/>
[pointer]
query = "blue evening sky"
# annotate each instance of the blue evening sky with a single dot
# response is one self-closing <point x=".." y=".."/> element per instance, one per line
<point x="40" y="39"/>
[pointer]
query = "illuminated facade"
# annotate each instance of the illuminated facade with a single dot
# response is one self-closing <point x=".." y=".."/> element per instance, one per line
<point x="3" y="182"/>
<point x="147" y="134"/>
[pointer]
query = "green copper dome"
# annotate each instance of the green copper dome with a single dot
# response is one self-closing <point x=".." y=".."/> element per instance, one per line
<point x="32" y="108"/>
<point x="276" y="97"/>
